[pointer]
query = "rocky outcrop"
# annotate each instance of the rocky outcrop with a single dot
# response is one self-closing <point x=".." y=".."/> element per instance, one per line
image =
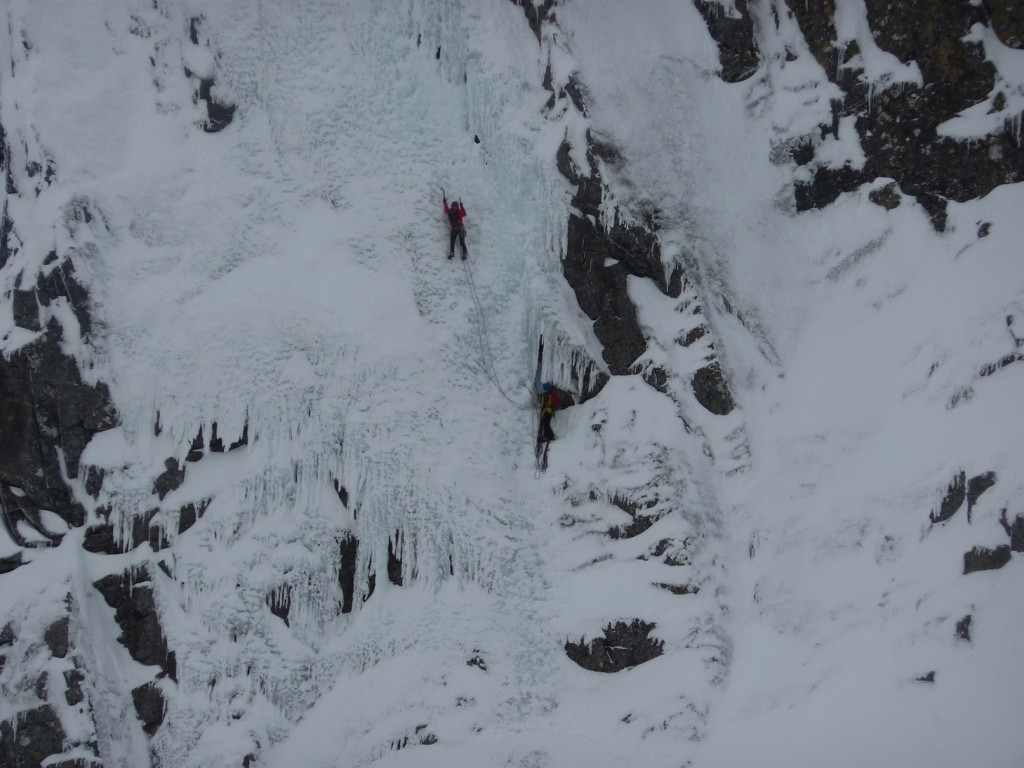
<point x="963" y="628"/>
<point x="131" y="597"/>
<point x="149" y="705"/>
<point x="537" y="13"/>
<point x="606" y="245"/>
<point x="673" y="552"/>
<point x="601" y="255"/>
<point x="219" y="114"/>
<point x="623" y="646"/>
<point x="50" y="720"/>
<point x="952" y="500"/>
<point x="1007" y="17"/>
<point x="347" y="572"/>
<point x="601" y="292"/>
<point x="898" y="126"/>
<point x="733" y="30"/>
<point x="985" y="559"/>
<point x="31" y="738"/>
<point x="1015" y="531"/>
<point x="712" y="391"/>
<point x="47" y="412"/>
<point x="961" y="489"/>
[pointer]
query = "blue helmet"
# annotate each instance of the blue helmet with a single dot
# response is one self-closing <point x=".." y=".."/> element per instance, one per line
<point x="548" y="386"/>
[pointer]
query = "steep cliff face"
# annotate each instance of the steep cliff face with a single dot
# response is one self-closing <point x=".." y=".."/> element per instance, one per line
<point x="265" y="469"/>
<point x="49" y="415"/>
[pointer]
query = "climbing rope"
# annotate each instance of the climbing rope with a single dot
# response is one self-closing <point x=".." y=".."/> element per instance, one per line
<point x="485" y="344"/>
<point x="489" y="370"/>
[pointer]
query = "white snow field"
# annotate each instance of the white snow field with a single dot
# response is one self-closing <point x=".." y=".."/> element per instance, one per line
<point x="287" y="276"/>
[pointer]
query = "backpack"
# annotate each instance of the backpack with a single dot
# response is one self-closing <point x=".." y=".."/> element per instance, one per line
<point x="549" y="402"/>
<point x="453" y="216"/>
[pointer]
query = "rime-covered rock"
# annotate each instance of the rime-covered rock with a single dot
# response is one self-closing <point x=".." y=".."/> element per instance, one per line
<point x="733" y="30"/>
<point x="985" y="559"/>
<point x="135" y="611"/>
<point x="712" y="391"/>
<point x="46" y="407"/>
<point x="149" y="705"/>
<point x="897" y="127"/>
<point x="623" y="646"/>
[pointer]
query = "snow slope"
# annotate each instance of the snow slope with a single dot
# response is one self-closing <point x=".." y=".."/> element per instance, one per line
<point x="286" y="277"/>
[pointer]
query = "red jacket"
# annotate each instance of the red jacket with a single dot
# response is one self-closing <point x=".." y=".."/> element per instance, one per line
<point x="456" y="207"/>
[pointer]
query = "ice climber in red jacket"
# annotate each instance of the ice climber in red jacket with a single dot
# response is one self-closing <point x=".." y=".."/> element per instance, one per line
<point x="456" y="212"/>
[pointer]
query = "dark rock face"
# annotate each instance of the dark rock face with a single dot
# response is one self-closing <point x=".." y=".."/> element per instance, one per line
<point x="100" y="538"/>
<point x="998" y="365"/>
<point x="623" y="646"/>
<point x="963" y="628"/>
<point x="976" y="486"/>
<point x="149" y="705"/>
<point x="347" y="571"/>
<point x="693" y="336"/>
<point x="280" y="603"/>
<point x="601" y="255"/>
<point x="735" y="37"/>
<point x="640" y="521"/>
<point x="827" y="186"/>
<point x="898" y="126"/>
<point x="952" y="501"/>
<point x="188" y="515"/>
<point x="45" y="406"/>
<point x="1015" y="531"/>
<point x="674" y="552"/>
<point x="34" y="736"/>
<point x="679" y="589"/>
<point x="56" y="638"/>
<point x="640" y="524"/>
<point x="73" y="680"/>
<point x="78" y="762"/>
<point x="712" y="391"/>
<point x="170" y="480"/>
<point x="218" y="113"/>
<point x="887" y="197"/>
<point x="537" y="13"/>
<point x="984" y="559"/>
<point x="961" y="489"/>
<point x="26" y="310"/>
<point x="8" y="178"/>
<point x="1007" y="18"/>
<point x="394" y="564"/>
<point x="601" y="293"/>
<point x="135" y="612"/>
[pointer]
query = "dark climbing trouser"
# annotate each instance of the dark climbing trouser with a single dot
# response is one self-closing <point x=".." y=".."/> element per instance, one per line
<point x="546" y="433"/>
<point x="459" y="233"/>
